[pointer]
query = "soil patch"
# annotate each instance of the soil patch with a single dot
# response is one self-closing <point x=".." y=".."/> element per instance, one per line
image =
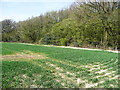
<point x="23" y="55"/>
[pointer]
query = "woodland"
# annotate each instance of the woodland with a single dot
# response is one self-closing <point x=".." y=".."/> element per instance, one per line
<point x="83" y="24"/>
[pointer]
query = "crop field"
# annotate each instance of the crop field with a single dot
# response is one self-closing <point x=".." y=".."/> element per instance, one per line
<point x="37" y="66"/>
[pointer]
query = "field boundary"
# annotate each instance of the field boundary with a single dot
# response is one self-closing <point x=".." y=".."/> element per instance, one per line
<point x="82" y="48"/>
<point x="75" y="48"/>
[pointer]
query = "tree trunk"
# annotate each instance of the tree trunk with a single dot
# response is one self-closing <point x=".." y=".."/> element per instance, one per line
<point x="105" y="43"/>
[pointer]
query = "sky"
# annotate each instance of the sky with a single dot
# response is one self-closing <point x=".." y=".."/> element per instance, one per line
<point x="19" y="10"/>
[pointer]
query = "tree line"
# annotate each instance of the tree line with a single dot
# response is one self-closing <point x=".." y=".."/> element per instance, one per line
<point x="83" y="24"/>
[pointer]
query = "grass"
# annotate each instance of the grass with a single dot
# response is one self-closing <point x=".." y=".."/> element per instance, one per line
<point x="61" y="67"/>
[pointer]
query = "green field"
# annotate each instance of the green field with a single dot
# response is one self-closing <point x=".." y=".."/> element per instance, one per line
<point x="35" y="66"/>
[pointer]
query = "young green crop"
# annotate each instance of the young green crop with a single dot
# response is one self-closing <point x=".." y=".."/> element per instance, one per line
<point x="62" y="67"/>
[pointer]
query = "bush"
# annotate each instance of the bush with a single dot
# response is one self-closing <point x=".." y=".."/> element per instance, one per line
<point x="63" y="42"/>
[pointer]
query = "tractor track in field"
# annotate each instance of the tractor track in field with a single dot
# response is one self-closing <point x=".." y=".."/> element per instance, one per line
<point x="62" y="76"/>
